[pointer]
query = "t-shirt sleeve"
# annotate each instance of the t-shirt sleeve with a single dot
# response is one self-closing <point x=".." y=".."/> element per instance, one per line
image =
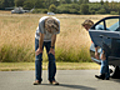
<point x="41" y="26"/>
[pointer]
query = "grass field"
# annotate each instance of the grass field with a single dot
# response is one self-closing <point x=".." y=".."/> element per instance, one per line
<point x="60" y="66"/>
<point x="17" y="34"/>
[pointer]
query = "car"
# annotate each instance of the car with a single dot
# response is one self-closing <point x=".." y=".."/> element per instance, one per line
<point x="109" y="39"/>
<point x="19" y="10"/>
<point x="50" y="13"/>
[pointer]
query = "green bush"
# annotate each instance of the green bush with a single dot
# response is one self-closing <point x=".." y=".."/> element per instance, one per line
<point x="40" y="11"/>
<point x="52" y="8"/>
<point x="114" y="13"/>
<point x="101" y="11"/>
<point x="95" y="7"/>
<point x="20" y="54"/>
<point x="73" y="11"/>
<point x="84" y="8"/>
<point x="68" y="8"/>
<point x="9" y="53"/>
<point x="92" y="12"/>
<point x="44" y="11"/>
<point x="72" y="55"/>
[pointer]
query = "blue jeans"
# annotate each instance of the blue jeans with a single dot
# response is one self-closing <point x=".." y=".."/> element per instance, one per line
<point x="38" y="62"/>
<point x="104" y="67"/>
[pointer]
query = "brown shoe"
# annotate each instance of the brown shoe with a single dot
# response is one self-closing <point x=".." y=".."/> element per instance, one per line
<point x="37" y="83"/>
<point x="54" y="83"/>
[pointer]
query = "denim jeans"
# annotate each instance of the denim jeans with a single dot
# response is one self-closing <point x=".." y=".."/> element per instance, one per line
<point x="104" y="67"/>
<point x="38" y="62"/>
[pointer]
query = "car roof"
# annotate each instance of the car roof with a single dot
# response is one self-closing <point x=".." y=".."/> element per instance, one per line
<point x="109" y="17"/>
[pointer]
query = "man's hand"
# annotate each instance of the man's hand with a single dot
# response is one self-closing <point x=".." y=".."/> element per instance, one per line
<point x="52" y="51"/>
<point x="97" y="55"/>
<point x="38" y="51"/>
<point x="103" y="57"/>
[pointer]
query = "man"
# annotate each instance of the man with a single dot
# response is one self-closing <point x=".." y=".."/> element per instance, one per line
<point x="104" y="58"/>
<point x="45" y="36"/>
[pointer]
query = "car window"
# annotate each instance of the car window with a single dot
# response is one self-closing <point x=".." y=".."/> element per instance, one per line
<point x="100" y="26"/>
<point x="113" y="24"/>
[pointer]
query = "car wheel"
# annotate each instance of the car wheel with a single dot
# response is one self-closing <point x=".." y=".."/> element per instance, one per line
<point x="114" y="71"/>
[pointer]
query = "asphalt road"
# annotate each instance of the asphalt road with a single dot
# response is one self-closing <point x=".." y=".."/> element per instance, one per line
<point x="68" y="79"/>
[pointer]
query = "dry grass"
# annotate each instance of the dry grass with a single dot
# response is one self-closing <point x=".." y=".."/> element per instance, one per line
<point x="17" y="37"/>
<point x="4" y="12"/>
<point x="60" y="66"/>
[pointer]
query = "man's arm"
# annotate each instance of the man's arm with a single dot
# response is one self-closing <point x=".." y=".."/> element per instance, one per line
<point x="103" y="57"/>
<point x="41" y="41"/>
<point x="96" y="53"/>
<point x="53" y="40"/>
<point x="39" y="50"/>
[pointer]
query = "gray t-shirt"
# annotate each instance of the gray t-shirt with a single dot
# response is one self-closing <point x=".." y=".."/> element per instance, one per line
<point x="41" y="29"/>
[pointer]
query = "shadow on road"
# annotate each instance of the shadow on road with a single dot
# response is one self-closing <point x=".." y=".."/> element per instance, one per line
<point x="117" y="79"/>
<point x="77" y="87"/>
<point x="73" y="86"/>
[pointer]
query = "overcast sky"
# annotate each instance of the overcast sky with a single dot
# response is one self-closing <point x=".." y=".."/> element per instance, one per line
<point x="104" y="0"/>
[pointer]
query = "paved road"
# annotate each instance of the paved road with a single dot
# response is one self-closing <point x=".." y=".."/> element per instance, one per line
<point x="69" y="80"/>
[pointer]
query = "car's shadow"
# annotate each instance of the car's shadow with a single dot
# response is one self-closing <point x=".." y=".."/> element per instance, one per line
<point x="115" y="80"/>
<point x="116" y="77"/>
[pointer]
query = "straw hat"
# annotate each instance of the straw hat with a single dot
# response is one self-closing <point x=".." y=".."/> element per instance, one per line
<point x="51" y="25"/>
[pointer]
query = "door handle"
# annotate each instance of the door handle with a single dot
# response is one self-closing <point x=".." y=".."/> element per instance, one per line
<point x="101" y="36"/>
<point x="107" y="37"/>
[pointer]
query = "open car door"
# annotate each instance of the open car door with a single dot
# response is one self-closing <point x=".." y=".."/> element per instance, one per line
<point x="106" y="34"/>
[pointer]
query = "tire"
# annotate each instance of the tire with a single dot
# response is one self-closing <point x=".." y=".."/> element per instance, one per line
<point x="114" y="71"/>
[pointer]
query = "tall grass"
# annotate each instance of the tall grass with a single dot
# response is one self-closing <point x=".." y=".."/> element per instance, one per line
<point x="17" y="38"/>
<point x="73" y="42"/>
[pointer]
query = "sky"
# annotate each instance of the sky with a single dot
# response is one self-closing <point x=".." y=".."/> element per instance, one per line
<point x="104" y="0"/>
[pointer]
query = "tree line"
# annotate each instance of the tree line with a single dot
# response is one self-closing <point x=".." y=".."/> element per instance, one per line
<point x="64" y="6"/>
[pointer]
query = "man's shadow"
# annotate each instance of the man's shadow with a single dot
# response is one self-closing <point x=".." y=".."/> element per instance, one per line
<point x="73" y="86"/>
<point x="77" y="87"/>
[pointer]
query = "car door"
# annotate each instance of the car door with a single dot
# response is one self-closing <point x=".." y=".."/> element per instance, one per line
<point x="106" y="34"/>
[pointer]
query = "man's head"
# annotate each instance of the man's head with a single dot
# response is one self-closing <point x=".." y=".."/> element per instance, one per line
<point x="51" y="25"/>
<point x="87" y="24"/>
